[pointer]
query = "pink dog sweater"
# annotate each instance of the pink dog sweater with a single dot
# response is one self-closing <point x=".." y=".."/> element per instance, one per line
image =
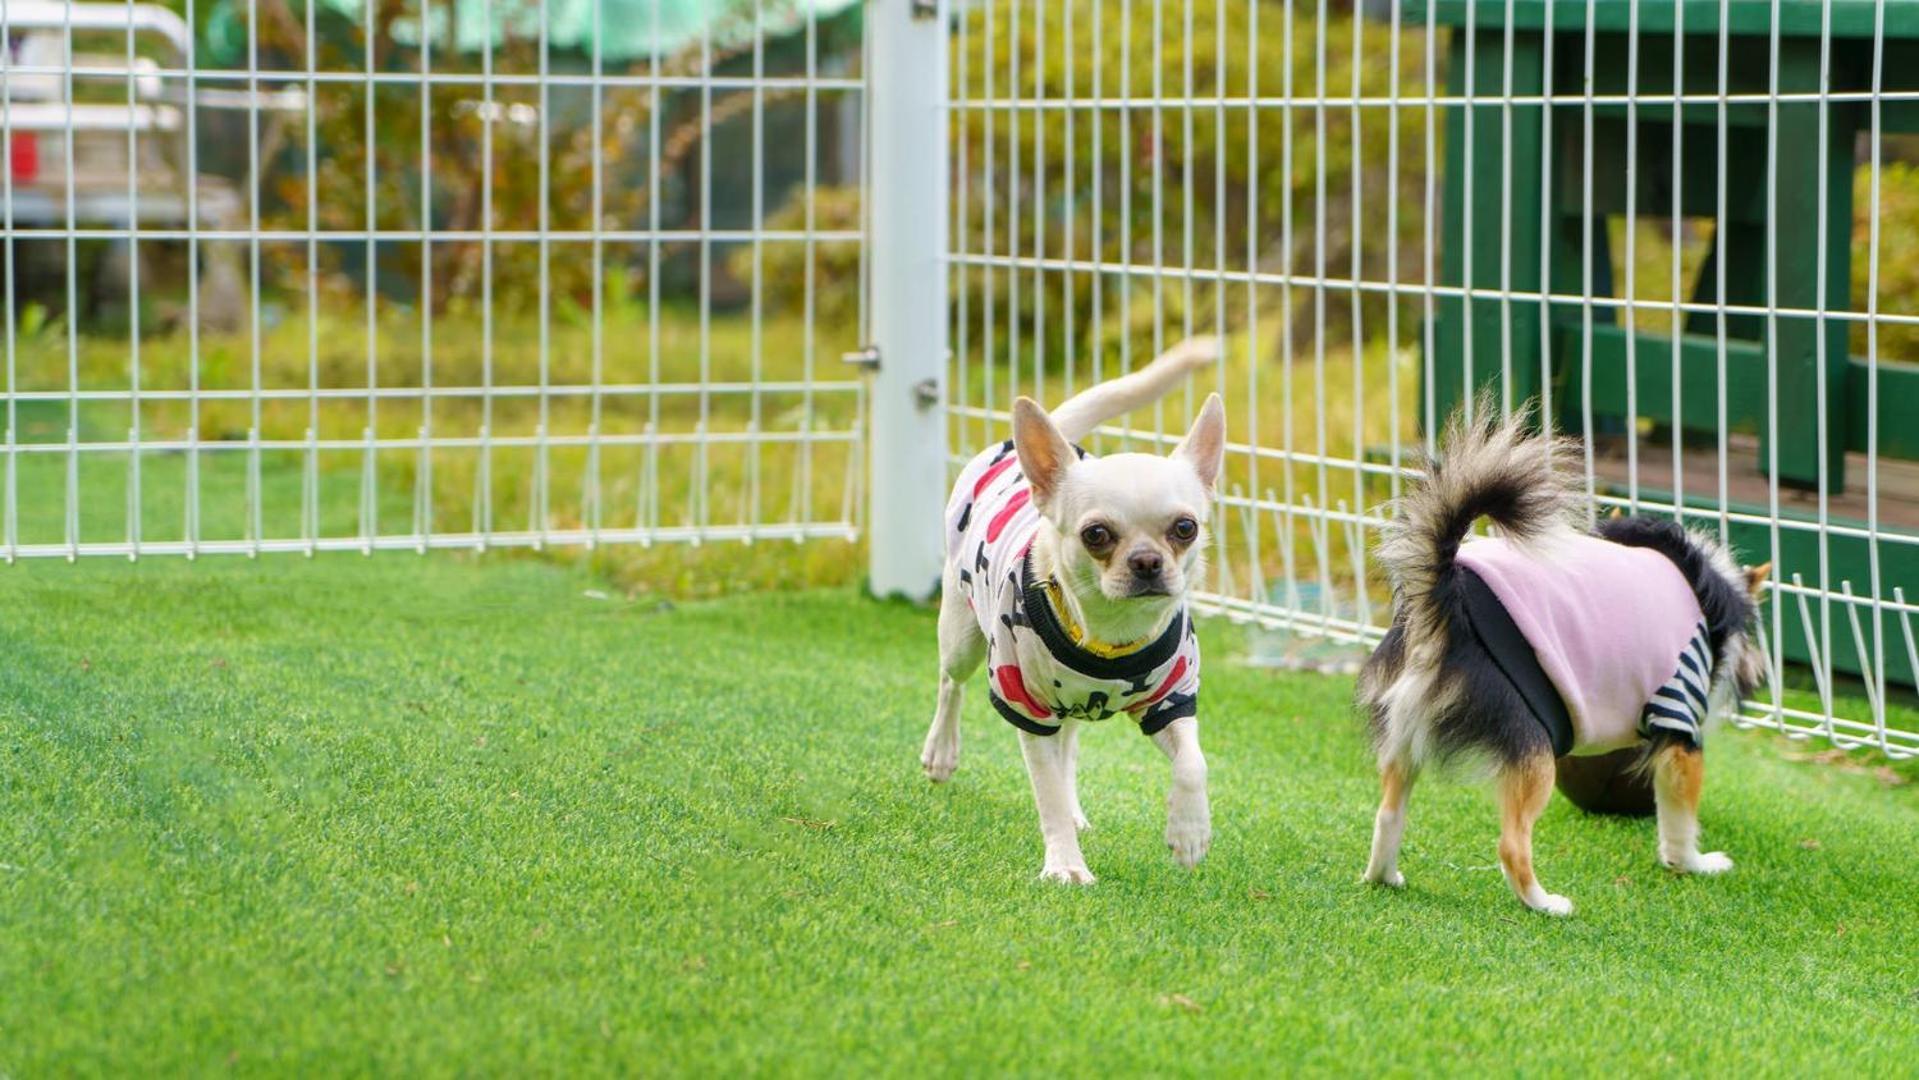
<point x="1617" y="630"/>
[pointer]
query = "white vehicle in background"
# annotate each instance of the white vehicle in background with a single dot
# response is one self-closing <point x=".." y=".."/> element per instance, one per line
<point x="97" y="143"/>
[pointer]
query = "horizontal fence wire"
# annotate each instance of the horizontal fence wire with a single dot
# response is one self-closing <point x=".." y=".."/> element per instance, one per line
<point x="345" y="280"/>
<point x="1382" y="208"/>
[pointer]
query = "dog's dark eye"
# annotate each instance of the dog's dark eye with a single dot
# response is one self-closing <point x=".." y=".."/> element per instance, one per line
<point x="1183" y="530"/>
<point x="1096" y="537"/>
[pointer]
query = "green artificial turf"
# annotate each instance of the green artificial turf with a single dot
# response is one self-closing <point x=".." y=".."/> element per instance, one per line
<point x="443" y="815"/>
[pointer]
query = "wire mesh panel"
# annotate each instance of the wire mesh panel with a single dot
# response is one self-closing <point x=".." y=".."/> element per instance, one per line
<point x="290" y="276"/>
<point x="1664" y="225"/>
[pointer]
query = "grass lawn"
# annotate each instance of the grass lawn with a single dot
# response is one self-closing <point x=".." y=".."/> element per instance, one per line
<point x="444" y="815"/>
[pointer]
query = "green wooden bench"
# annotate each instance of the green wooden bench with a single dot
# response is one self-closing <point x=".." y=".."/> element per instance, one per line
<point x="1525" y="230"/>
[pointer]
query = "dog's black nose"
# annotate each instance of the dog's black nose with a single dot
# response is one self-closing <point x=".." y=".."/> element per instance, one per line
<point x="1146" y="564"/>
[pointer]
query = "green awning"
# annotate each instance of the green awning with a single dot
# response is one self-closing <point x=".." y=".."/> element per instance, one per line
<point x="627" y="29"/>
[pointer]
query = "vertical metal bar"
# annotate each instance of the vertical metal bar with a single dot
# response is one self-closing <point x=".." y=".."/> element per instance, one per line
<point x="906" y="93"/>
<point x="1069" y="279"/>
<point x="1356" y="197"/>
<point x="1719" y="271"/>
<point x="72" y="507"/>
<point x="702" y="460"/>
<point x="135" y="504"/>
<point x="989" y="228"/>
<point x="12" y="522"/>
<point x="1395" y="33"/>
<point x="423" y="511"/>
<point x="1631" y="289"/>
<point x="1039" y="199"/>
<point x="1506" y="156"/>
<point x="1430" y="247"/>
<point x="1772" y="353"/>
<point x="595" y="417"/>
<point x="254" y="165"/>
<point x="192" y="523"/>
<point x="810" y="190"/>
<point x="1875" y="585"/>
<point x="1676" y="272"/>
<point x="758" y="254"/>
<point x="1323" y="501"/>
<point x="1548" y="232"/>
<point x="1822" y="433"/>
<point x="309" y="463"/>
<point x="1099" y="184"/>
<point x="1158" y="161"/>
<point x="483" y="503"/>
<point x="1128" y="149"/>
<point x="542" y="460"/>
<point x="1586" y="262"/>
<point x="650" y="483"/>
<point x="369" y="508"/>
<point x="1253" y="398"/>
<point x="1014" y="124"/>
<point x="1288" y="538"/>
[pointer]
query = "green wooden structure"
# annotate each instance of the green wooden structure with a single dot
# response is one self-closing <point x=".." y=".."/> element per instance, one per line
<point x="1506" y="231"/>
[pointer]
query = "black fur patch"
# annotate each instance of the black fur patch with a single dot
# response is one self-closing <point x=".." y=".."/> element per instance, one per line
<point x="1486" y="714"/>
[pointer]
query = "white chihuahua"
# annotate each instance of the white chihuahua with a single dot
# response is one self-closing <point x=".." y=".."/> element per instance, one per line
<point x="1068" y="575"/>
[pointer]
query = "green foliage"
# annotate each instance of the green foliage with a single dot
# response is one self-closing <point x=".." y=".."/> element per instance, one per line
<point x="1898" y="255"/>
<point x="835" y="281"/>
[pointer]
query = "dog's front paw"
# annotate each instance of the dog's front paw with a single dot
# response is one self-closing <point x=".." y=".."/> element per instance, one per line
<point x="1189" y="833"/>
<point x="1068" y="875"/>
<point x="1712" y="862"/>
<point x="1551" y="904"/>
<point x="939" y="757"/>
<point x="1392" y="879"/>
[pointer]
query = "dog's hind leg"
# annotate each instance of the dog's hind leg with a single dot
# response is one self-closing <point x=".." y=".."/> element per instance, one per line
<point x="962" y="648"/>
<point x="1047" y="765"/>
<point x="1525" y="786"/>
<point x="1678" y="774"/>
<point x="1389" y="825"/>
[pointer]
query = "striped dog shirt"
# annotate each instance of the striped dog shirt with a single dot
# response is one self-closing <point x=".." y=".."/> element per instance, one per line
<point x="1037" y="674"/>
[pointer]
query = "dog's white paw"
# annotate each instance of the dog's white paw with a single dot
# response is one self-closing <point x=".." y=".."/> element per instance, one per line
<point x="1068" y="875"/>
<point x="1079" y="820"/>
<point x="1551" y="904"/>
<point x="1392" y="879"/>
<point x="1189" y="833"/>
<point x="940" y="757"/>
<point x="1712" y="862"/>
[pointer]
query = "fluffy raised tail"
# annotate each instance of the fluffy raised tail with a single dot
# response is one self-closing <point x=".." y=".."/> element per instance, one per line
<point x="1487" y="468"/>
<point x="1080" y="414"/>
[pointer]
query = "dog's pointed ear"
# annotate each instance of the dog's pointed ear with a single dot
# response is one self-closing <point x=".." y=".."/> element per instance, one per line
<point x="1204" y="447"/>
<point x="1616" y="514"/>
<point x="1756" y="578"/>
<point x="1044" y="453"/>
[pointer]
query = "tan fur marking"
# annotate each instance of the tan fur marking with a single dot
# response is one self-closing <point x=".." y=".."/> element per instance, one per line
<point x="1524" y="790"/>
<point x="1680" y="773"/>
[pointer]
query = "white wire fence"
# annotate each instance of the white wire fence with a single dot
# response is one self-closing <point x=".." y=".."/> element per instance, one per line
<point x="360" y="275"/>
<point x="1663" y="222"/>
<point x="290" y="276"/>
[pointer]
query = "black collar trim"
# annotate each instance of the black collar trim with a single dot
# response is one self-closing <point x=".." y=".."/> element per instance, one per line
<point x="1039" y="612"/>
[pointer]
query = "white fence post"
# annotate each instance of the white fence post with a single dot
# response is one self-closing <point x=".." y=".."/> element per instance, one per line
<point x="906" y="241"/>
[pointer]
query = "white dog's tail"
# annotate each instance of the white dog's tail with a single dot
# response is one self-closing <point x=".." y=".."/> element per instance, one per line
<point x="1080" y="414"/>
<point x="1486" y="468"/>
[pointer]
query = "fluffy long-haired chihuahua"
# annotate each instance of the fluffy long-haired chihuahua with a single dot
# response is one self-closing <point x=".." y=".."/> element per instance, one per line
<point x="1067" y="575"/>
<point x="1547" y="640"/>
